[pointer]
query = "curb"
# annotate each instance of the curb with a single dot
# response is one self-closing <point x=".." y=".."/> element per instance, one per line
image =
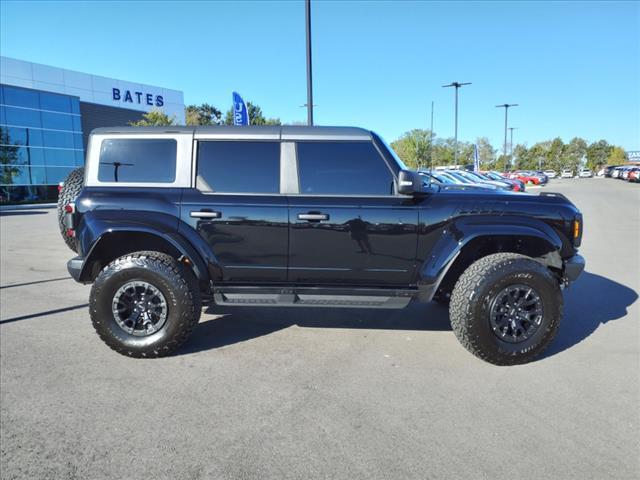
<point x="30" y="206"/>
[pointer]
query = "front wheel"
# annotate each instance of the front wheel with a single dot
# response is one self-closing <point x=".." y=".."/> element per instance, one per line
<point x="506" y="308"/>
<point x="144" y="304"/>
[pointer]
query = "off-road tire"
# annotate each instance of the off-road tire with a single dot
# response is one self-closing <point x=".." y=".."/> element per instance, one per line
<point x="70" y="191"/>
<point x="177" y="284"/>
<point x="480" y="284"/>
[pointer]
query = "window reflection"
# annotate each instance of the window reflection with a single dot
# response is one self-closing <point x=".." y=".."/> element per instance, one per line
<point x="40" y="143"/>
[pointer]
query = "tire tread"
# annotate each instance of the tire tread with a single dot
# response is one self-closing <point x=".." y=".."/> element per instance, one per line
<point x="467" y="287"/>
<point x="184" y="281"/>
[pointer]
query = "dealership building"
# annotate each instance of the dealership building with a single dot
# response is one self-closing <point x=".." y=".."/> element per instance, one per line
<point x="46" y="115"/>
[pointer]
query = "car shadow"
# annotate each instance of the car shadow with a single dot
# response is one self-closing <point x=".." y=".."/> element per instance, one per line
<point x="585" y="310"/>
<point x="591" y="301"/>
<point x="239" y="324"/>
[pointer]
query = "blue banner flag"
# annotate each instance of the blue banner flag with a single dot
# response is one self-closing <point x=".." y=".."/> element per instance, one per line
<point x="476" y="159"/>
<point x="240" y="113"/>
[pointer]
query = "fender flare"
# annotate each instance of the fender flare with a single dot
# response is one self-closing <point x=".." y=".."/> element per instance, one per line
<point x="170" y="238"/>
<point x="458" y="235"/>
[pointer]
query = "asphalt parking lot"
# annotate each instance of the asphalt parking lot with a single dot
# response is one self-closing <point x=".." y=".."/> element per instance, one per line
<point x="277" y="393"/>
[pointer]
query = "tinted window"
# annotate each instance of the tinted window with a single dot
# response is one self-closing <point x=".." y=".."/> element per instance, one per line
<point x="53" y="138"/>
<point x="21" y="97"/>
<point x="57" y="103"/>
<point x="57" y="121"/>
<point x="342" y="168"/>
<point x="239" y="167"/>
<point x="138" y="160"/>
<point x="22" y="117"/>
<point x="61" y="157"/>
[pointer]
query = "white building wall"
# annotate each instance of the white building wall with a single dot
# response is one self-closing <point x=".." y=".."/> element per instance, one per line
<point x="92" y="88"/>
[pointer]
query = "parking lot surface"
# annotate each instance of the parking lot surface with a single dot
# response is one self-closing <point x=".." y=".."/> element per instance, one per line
<point x="315" y="393"/>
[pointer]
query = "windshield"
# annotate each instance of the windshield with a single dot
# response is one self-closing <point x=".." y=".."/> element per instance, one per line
<point x="460" y="177"/>
<point x="440" y="178"/>
<point x="478" y="175"/>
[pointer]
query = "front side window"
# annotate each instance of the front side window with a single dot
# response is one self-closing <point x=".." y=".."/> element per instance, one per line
<point x="238" y="167"/>
<point x="342" y="168"/>
<point x="138" y="160"/>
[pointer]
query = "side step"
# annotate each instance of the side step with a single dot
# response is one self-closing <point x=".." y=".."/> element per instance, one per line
<point x="238" y="296"/>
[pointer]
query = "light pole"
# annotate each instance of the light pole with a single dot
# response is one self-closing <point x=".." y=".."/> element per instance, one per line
<point x="511" y="129"/>
<point x="457" y="85"/>
<point x="506" y="110"/>
<point x="307" y="9"/>
<point x="431" y="140"/>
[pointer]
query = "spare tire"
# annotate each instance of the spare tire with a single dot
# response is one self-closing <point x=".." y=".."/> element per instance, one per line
<point x="68" y="194"/>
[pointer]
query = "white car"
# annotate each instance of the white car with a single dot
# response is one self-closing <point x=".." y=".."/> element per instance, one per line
<point x="585" y="173"/>
<point x="550" y="173"/>
<point x="566" y="173"/>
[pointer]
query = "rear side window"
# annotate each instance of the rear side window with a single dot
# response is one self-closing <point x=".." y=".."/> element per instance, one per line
<point x="138" y="160"/>
<point x="238" y="167"/>
<point x="342" y="168"/>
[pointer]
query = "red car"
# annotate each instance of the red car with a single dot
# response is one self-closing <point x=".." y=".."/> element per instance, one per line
<point x="634" y="175"/>
<point x="523" y="177"/>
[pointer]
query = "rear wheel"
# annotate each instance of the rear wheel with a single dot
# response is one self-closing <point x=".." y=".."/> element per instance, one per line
<point x="506" y="308"/>
<point x="68" y="194"/>
<point x="144" y="304"/>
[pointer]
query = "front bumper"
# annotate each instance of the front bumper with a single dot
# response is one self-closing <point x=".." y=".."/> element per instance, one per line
<point x="573" y="267"/>
<point x="74" y="266"/>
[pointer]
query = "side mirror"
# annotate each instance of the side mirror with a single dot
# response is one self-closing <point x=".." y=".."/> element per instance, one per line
<point x="409" y="182"/>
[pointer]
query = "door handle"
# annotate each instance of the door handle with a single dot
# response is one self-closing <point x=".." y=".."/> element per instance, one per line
<point x="313" y="217"/>
<point x="205" y="214"/>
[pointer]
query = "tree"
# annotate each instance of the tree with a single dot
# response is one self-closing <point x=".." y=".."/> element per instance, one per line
<point x="617" y="157"/>
<point x="598" y="154"/>
<point x="154" y="118"/>
<point x="414" y="148"/>
<point x="9" y="167"/>
<point x="204" y="114"/>
<point x="486" y="153"/>
<point x="256" y="116"/>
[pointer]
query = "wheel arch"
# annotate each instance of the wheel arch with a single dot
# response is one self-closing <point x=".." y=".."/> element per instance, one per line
<point x="458" y="249"/>
<point x="114" y="243"/>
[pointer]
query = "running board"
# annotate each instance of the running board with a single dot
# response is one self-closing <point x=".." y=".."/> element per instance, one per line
<point x="254" y="297"/>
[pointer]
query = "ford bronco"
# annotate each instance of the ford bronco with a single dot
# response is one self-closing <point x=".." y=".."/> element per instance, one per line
<point x="167" y="219"/>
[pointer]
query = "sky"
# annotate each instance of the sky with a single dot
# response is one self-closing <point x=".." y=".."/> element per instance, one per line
<point x="573" y="67"/>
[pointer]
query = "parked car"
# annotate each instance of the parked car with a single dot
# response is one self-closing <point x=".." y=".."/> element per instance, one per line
<point x="550" y="173"/>
<point x="608" y="170"/>
<point x="525" y="178"/>
<point x="447" y="182"/>
<point x="462" y="178"/>
<point x="624" y="172"/>
<point x="634" y="175"/>
<point x="585" y="173"/>
<point x="518" y="185"/>
<point x="481" y="179"/>
<point x="566" y="173"/>
<point x="170" y="218"/>
<point x="617" y="172"/>
<point x="544" y="179"/>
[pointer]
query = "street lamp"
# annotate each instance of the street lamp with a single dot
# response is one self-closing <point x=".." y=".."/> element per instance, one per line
<point x="307" y="9"/>
<point x="456" y="85"/>
<point x="511" y="129"/>
<point x="506" y="110"/>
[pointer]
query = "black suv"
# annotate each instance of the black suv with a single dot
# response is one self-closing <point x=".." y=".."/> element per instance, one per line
<point x="166" y="219"/>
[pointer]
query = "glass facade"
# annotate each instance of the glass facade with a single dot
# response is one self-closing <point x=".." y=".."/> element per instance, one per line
<point x="40" y="143"/>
